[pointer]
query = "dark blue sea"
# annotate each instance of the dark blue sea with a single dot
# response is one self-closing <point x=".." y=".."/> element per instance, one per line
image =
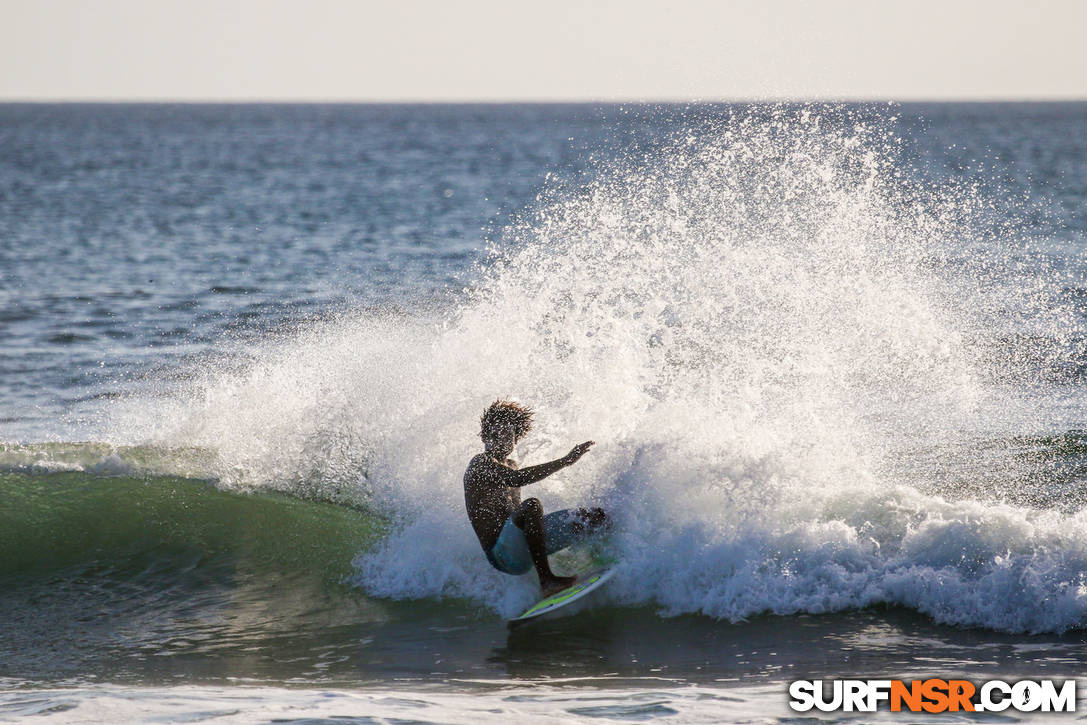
<point x="834" y="358"/>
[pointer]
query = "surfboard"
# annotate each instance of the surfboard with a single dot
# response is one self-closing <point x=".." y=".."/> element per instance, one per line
<point x="585" y="584"/>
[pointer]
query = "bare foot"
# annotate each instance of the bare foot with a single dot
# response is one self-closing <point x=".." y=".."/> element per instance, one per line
<point x="556" y="585"/>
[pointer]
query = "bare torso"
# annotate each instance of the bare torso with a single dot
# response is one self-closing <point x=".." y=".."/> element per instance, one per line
<point x="489" y="503"/>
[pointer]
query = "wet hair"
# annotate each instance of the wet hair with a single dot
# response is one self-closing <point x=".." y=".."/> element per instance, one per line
<point x="503" y="413"/>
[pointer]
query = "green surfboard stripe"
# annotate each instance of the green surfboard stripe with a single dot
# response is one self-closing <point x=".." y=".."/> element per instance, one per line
<point x="594" y="579"/>
<point x="562" y="596"/>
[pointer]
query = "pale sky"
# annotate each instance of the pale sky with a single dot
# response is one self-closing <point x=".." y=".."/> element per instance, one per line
<point x="504" y="50"/>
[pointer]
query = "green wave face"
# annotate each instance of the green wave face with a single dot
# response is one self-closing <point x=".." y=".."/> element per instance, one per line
<point x="136" y="578"/>
<point x="58" y="520"/>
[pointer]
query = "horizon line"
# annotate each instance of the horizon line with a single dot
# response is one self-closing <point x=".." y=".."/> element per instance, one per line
<point x="538" y="101"/>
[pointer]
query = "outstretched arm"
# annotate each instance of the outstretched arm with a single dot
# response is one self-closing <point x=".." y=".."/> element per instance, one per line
<point x="504" y="475"/>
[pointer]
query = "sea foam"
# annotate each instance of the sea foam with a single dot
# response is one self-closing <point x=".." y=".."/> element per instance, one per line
<point x="759" y="322"/>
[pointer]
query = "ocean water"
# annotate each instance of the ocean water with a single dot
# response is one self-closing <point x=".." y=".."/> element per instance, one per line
<point x="834" y="359"/>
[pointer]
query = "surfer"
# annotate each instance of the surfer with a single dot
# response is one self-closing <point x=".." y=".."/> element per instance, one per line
<point x="515" y="534"/>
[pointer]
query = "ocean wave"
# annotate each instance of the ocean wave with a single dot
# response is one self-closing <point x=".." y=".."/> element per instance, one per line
<point x="760" y="324"/>
<point x="52" y="521"/>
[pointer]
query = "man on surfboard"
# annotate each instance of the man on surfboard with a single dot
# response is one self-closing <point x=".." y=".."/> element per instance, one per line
<point x="515" y="534"/>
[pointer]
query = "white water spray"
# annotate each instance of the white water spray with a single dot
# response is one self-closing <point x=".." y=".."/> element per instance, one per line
<point x="752" y="323"/>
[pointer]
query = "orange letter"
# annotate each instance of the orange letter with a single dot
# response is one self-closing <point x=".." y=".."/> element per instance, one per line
<point x="959" y="693"/>
<point x="934" y="690"/>
<point x="912" y="696"/>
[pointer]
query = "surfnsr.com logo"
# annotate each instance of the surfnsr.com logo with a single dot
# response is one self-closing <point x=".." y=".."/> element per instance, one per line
<point x="933" y="695"/>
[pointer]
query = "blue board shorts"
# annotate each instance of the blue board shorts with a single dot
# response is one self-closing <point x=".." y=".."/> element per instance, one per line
<point x="510" y="553"/>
